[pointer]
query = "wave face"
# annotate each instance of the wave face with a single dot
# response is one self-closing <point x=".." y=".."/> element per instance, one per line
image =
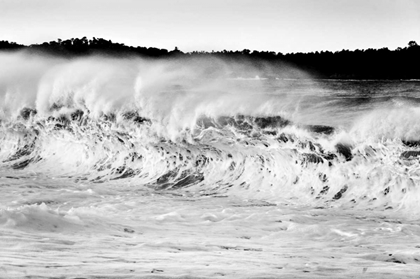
<point x="189" y="127"/>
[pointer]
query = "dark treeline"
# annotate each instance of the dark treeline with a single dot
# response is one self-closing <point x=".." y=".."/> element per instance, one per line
<point x="402" y="63"/>
<point x="79" y="47"/>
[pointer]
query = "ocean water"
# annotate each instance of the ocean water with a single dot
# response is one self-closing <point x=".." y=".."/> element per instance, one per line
<point x="130" y="168"/>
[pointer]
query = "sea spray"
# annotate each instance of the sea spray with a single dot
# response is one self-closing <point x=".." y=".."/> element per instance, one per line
<point x="188" y="126"/>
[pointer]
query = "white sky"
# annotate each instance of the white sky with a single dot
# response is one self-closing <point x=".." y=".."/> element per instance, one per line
<point x="275" y="25"/>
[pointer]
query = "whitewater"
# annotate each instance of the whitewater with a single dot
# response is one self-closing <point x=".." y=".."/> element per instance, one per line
<point x="201" y="168"/>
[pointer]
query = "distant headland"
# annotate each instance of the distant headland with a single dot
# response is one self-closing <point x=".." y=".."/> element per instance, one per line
<point x="401" y="63"/>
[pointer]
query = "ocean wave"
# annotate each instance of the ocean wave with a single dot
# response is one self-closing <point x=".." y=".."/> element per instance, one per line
<point x="171" y="126"/>
<point x="270" y="158"/>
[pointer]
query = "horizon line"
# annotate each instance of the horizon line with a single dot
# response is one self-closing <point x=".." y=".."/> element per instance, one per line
<point x="204" y="51"/>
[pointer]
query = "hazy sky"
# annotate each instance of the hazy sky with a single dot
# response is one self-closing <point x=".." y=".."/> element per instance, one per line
<point x="276" y="25"/>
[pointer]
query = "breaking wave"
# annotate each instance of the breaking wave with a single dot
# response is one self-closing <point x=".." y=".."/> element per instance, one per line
<point x="188" y="127"/>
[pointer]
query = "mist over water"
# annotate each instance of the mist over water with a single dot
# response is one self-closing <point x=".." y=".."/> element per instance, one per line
<point x="148" y="162"/>
<point x="160" y="89"/>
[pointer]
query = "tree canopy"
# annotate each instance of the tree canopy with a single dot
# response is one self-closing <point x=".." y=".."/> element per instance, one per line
<point x="382" y="63"/>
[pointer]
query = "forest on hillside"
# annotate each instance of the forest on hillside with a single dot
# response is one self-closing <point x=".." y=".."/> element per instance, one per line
<point x="383" y="63"/>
